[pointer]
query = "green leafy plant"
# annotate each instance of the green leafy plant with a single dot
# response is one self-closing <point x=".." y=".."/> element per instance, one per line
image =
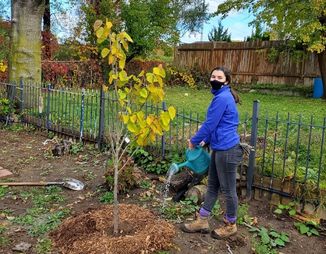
<point x="149" y="163"/>
<point x="175" y="211"/>
<point x="289" y="209"/>
<point x="40" y="219"/>
<point x="43" y="246"/>
<point x="145" y="184"/>
<point x="5" y="108"/>
<point x="270" y="238"/>
<point x="243" y="215"/>
<point x="107" y="197"/>
<point x="3" y="191"/>
<point x="308" y="228"/>
<point x="217" y="209"/>
<point x="3" y="239"/>
<point x="76" y="148"/>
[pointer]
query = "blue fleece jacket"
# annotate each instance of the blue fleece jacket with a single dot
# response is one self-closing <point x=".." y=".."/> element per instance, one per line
<point x="221" y="124"/>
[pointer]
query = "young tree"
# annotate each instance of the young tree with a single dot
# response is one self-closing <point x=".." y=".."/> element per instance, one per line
<point x="219" y="34"/>
<point x="132" y="92"/>
<point x="301" y="21"/>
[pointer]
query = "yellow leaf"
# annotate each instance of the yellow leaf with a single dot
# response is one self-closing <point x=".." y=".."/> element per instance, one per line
<point x="112" y="37"/>
<point x="142" y="124"/>
<point x="97" y="24"/>
<point x="159" y="71"/>
<point x="159" y="80"/>
<point x="143" y="93"/>
<point x="125" y="119"/>
<point x="150" y="119"/>
<point x="172" y="112"/>
<point x="152" y="137"/>
<point x="140" y="115"/>
<point x="108" y="24"/>
<point x="100" y="40"/>
<point x="166" y="127"/>
<point x="125" y="35"/>
<point x="105" y="88"/>
<point x="123" y="75"/>
<point x="99" y="32"/>
<point x="111" y="59"/>
<point x="140" y="141"/>
<point x="158" y="129"/>
<point x="150" y="77"/>
<point x="132" y="127"/>
<point x="141" y="74"/>
<point x="122" y="64"/>
<point x="125" y="45"/>
<point x="133" y="118"/>
<point x="114" y="50"/>
<point x="165" y="118"/>
<point x="129" y="110"/>
<point x="122" y="95"/>
<point x="105" y="52"/>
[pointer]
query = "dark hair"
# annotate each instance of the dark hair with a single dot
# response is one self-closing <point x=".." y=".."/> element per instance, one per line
<point x="227" y="74"/>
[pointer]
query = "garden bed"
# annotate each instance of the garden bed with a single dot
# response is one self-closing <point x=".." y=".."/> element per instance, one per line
<point x="39" y="216"/>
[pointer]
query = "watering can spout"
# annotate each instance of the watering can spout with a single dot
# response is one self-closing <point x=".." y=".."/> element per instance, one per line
<point x="183" y="164"/>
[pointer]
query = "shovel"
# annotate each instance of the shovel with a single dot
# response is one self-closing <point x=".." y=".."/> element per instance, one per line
<point x="69" y="183"/>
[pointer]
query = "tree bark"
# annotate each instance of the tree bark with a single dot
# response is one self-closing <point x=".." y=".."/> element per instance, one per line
<point x="25" y="59"/>
<point x="322" y="67"/>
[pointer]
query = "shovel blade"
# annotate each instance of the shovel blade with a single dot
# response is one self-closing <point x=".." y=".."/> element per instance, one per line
<point x="73" y="184"/>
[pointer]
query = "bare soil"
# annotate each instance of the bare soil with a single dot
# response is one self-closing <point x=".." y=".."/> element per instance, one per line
<point x="28" y="155"/>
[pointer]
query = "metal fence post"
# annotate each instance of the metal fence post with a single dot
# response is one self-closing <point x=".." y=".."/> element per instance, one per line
<point x="47" y="124"/>
<point x="252" y="155"/>
<point x="82" y="112"/>
<point x="101" y="120"/>
<point x="163" y="136"/>
<point x="21" y="86"/>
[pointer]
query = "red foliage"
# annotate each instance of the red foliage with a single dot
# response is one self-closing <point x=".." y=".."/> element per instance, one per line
<point x="49" y="45"/>
<point x="72" y="73"/>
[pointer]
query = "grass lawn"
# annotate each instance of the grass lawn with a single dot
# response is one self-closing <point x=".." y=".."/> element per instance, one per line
<point x="198" y="101"/>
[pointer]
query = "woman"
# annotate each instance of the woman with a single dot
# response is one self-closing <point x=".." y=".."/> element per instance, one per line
<point x="220" y="130"/>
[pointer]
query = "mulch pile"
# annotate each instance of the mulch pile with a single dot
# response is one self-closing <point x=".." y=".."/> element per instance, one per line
<point x="140" y="231"/>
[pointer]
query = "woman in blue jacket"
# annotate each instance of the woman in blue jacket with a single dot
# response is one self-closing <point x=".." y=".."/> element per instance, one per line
<point x="220" y="131"/>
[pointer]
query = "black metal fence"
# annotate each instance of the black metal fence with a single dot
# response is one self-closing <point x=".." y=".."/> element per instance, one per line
<point x="289" y="156"/>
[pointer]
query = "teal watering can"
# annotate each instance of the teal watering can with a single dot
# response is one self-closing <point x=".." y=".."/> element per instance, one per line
<point x="197" y="161"/>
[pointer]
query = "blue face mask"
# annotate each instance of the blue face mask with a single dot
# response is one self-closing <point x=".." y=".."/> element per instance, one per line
<point x="216" y="84"/>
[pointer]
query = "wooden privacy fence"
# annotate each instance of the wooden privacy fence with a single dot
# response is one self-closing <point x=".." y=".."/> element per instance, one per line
<point x="251" y="62"/>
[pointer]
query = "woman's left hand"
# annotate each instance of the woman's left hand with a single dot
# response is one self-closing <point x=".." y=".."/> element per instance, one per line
<point x="190" y="145"/>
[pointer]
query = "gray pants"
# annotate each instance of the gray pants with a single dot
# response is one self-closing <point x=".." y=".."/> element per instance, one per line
<point x="222" y="176"/>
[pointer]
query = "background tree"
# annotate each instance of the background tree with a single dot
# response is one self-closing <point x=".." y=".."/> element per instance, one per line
<point x="148" y="22"/>
<point x="219" y="34"/>
<point x="258" y="33"/>
<point x="26" y="40"/>
<point x="301" y="21"/>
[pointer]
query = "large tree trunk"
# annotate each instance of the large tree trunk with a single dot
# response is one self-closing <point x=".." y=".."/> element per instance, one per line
<point x="322" y="67"/>
<point x="25" y="60"/>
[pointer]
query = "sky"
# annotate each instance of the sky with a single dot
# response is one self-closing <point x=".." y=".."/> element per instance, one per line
<point x="235" y="22"/>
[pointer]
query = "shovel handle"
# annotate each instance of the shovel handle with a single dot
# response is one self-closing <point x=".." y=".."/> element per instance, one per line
<point x="29" y="183"/>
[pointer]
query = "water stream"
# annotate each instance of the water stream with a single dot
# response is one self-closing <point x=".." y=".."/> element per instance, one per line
<point x="172" y="170"/>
